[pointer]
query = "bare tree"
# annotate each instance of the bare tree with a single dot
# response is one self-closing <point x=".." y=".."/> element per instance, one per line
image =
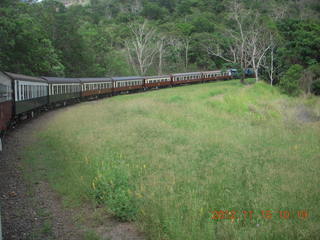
<point x="175" y="45"/>
<point x="268" y="61"/>
<point x="186" y="43"/>
<point x="246" y="44"/>
<point x="141" y="47"/>
<point x="257" y="45"/>
<point x="161" y="46"/>
<point x="235" y="49"/>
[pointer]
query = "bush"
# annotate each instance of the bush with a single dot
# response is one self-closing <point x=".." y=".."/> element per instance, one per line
<point x="113" y="189"/>
<point x="315" y="88"/>
<point x="290" y="83"/>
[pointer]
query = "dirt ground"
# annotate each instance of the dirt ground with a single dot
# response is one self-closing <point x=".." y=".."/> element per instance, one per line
<point x="32" y="210"/>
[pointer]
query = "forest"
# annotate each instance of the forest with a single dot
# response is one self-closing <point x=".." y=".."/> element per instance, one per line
<point x="278" y="39"/>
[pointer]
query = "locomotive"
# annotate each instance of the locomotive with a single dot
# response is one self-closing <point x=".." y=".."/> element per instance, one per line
<point x="22" y="96"/>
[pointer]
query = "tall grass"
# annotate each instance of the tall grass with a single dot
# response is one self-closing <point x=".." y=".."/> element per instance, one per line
<point x="167" y="159"/>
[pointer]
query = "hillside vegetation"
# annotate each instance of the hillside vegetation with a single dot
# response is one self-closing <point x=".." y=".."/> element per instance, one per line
<point x="95" y="38"/>
<point x="167" y="159"/>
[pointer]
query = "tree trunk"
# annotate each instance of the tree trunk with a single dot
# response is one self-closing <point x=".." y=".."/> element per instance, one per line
<point x="243" y="76"/>
<point x="256" y="74"/>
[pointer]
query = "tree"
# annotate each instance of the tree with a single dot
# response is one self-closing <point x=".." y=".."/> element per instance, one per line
<point x="230" y="44"/>
<point x="162" y="47"/>
<point x="24" y="44"/>
<point x="141" y="47"/>
<point x="259" y="41"/>
<point x="310" y="78"/>
<point x="246" y="44"/>
<point x="301" y="42"/>
<point x="290" y="82"/>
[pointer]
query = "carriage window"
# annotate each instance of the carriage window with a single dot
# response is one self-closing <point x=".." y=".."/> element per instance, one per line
<point x="21" y="92"/>
<point x="25" y="91"/>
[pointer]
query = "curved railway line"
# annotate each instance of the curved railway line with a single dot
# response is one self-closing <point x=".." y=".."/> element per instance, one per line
<point x="24" y="96"/>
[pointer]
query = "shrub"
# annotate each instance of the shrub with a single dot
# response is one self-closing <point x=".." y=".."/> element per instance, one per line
<point x="113" y="189"/>
<point x="289" y="83"/>
<point x="315" y="88"/>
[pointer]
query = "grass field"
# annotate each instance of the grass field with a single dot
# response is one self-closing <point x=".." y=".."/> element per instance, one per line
<point x="167" y="159"/>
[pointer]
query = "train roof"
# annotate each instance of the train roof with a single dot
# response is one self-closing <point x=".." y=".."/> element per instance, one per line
<point x="22" y="77"/>
<point x="213" y="71"/>
<point x="102" y="79"/>
<point x="4" y="78"/>
<point x="127" y="78"/>
<point x="61" y="80"/>
<point x="186" y="74"/>
<point x="161" y="76"/>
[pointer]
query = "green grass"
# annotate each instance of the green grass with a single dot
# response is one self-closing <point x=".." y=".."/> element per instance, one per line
<point x="168" y="158"/>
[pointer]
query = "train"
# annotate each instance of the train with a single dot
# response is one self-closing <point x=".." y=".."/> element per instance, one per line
<point x="24" y="96"/>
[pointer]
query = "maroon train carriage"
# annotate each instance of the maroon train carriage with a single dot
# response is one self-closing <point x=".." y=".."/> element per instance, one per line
<point x="157" y="81"/>
<point x="183" y="78"/>
<point x="6" y="104"/>
<point x="127" y="84"/>
<point x="30" y="94"/>
<point x="216" y="75"/>
<point x="211" y="75"/>
<point x="96" y="87"/>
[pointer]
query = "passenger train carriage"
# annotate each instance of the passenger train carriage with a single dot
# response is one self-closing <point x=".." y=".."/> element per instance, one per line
<point x="21" y="95"/>
<point x="183" y="78"/>
<point x="126" y="84"/>
<point x="30" y="93"/>
<point x="216" y="75"/>
<point x="157" y="81"/>
<point x="96" y="87"/>
<point x="6" y="103"/>
<point x="63" y="90"/>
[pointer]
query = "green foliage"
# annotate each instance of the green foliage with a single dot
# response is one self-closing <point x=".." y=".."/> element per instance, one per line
<point x="112" y="187"/>
<point x="24" y="45"/>
<point x="153" y="11"/>
<point x="315" y="69"/>
<point x="289" y="83"/>
<point x="47" y="38"/>
<point x="301" y="42"/>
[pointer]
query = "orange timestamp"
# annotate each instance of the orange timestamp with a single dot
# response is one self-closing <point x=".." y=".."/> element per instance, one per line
<point x="265" y="214"/>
